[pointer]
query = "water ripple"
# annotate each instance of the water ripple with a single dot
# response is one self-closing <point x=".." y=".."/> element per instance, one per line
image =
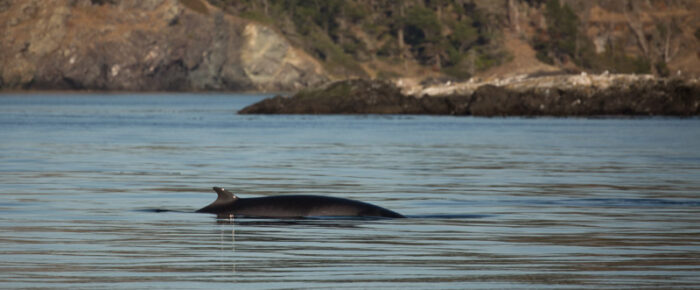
<point x="99" y="192"/>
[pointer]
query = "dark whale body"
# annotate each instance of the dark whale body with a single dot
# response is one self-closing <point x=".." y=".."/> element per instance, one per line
<point x="293" y="206"/>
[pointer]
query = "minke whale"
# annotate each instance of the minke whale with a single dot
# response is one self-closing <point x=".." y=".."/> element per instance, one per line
<point x="228" y="204"/>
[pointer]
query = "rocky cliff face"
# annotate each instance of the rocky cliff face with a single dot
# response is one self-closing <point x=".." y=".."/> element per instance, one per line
<point x="143" y="46"/>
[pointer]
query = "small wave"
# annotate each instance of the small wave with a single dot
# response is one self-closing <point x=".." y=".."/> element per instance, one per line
<point x="634" y="202"/>
<point x="449" y="216"/>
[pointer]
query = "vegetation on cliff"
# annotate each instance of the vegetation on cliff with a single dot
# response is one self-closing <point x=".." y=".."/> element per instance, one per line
<point x="563" y="41"/>
<point x="463" y="37"/>
<point x="454" y="37"/>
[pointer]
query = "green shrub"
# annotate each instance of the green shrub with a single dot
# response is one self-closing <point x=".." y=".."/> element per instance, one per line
<point x="662" y="69"/>
<point x="421" y="25"/>
<point x="195" y="5"/>
<point x="562" y="29"/>
<point x="336" y="60"/>
<point x="257" y="16"/>
<point x="464" y="34"/>
<point x="616" y="62"/>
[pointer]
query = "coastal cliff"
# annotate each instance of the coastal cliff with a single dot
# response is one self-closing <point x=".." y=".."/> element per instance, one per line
<point x="150" y="45"/>
<point x="563" y="95"/>
<point x="277" y="45"/>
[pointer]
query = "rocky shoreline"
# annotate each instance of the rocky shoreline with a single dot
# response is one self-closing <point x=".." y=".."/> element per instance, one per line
<point x="557" y="95"/>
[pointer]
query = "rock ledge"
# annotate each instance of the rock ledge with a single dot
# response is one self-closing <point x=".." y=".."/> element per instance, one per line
<point x="632" y="96"/>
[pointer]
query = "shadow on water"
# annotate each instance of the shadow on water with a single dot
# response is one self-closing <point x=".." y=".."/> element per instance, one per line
<point x="314" y="220"/>
<point x="160" y="210"/>
<point x="322" y="221"/>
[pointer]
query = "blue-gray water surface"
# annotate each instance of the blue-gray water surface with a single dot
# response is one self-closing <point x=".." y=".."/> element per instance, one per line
<point x="492" y="203"/>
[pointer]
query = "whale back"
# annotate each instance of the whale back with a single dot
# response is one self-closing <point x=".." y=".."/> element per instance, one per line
<point x="293" y="206"/>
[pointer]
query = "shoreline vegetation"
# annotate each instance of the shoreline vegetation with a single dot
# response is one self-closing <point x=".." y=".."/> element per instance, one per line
<point x="522" y="95"/>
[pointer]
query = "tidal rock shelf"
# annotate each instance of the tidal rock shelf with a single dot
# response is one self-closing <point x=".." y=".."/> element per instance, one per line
<point x="646" y="96"/>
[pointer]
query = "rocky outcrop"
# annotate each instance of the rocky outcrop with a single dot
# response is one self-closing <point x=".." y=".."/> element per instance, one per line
<point x="351" y="97"/>
<point x="343" y="97"/>
<point x="623" y="96"/>
<point x="641" y="98"/>
<point x="144" y="46"/>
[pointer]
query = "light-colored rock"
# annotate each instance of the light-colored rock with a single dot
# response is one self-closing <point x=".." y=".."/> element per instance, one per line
<point x="522" y="83"/>
<point x="269" y="60"/>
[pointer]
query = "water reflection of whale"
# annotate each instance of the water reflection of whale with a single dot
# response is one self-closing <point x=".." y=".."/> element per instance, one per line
<point x="293" y="206"/>
<point x="332" y="222"/>
<point x="325" y="222"/>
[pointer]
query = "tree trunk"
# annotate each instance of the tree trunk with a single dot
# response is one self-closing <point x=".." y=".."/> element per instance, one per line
<point x="399" y="35"/>
<point x="513" y="16"/>
<point x="636" y="28"/>
<point x="471" y="62"/>
<point x="438" y="62"/>
<point x="400" y="32"/>
<point x="667" y="44"/>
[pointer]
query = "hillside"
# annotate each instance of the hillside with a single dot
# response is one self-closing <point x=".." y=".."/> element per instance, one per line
<point x="150" y="45"/>
<point x="276" y="45"/>
<point x="461" y="39"/>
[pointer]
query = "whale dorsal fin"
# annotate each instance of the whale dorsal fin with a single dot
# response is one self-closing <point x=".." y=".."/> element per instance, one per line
<point x="224" y="195"/>
<point x="224" y="199"/>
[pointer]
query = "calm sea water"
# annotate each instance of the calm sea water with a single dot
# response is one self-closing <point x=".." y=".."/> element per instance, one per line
<point x="493" y="203"/>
